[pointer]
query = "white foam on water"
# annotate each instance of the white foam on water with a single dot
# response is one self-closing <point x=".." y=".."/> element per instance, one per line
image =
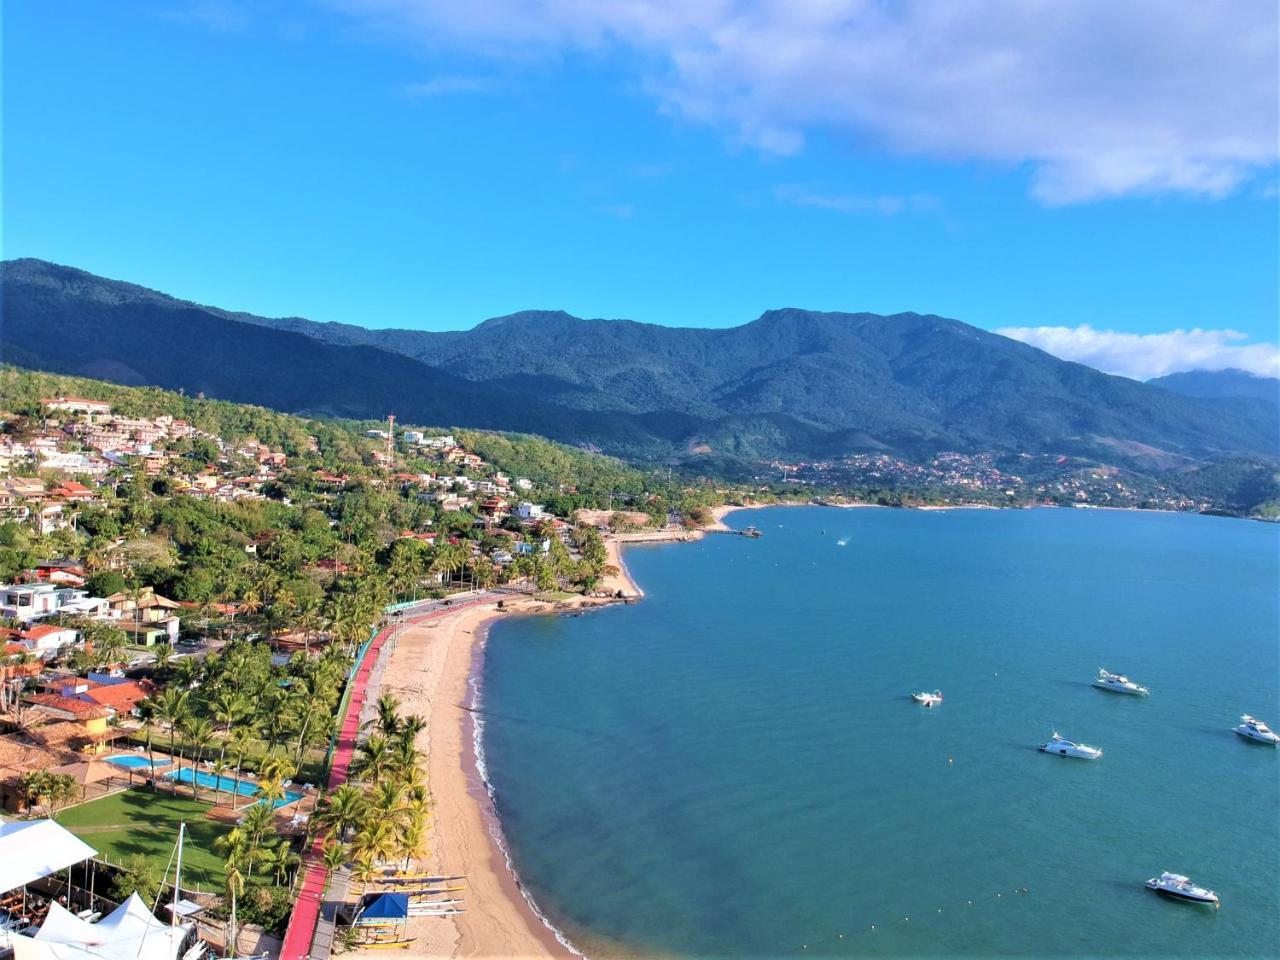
<point x="495" y="827"/>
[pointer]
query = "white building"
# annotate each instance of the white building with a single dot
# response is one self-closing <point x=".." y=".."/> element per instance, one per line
<point x="530" y="511"/>
<point x="37" y="601"/>
<point x="76" y="405"/>
<point x="412" y="436"/>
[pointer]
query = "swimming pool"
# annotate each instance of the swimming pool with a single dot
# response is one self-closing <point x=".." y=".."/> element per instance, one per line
<point x="244" y="788"/>
<point x="134" y="761"/>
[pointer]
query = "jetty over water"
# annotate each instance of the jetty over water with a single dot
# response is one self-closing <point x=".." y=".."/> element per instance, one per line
<point x="744" y="532"/>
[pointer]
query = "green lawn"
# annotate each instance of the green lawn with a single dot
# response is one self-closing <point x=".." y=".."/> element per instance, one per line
<point x="138" y="821"/>
<point x="551" y="596"/>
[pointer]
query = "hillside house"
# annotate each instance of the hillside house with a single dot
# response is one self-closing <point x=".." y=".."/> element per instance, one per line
<point x="530" y="511"/>
<point x="29" y="602"/>
<point x="77" y="405"/>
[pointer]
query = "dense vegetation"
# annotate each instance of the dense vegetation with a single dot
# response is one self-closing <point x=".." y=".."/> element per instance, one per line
<point x="792" y="382"/>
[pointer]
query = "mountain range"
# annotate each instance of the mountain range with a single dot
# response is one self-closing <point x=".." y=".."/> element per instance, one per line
<point x="792" y="383"/>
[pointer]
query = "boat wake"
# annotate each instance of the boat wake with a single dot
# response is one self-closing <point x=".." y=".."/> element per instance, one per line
<point x="475" y="706"/>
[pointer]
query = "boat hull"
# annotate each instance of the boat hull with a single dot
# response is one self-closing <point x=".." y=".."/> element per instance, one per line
<point x="1248" y="735"/>
<point x="1117" y="688"/>
<point x="1186" y="897"/>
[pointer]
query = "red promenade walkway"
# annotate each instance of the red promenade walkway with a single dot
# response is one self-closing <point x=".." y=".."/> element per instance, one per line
<point x="306" y="908"/>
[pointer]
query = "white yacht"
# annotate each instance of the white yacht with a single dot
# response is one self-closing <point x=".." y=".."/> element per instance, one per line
<point x="1120" y="684"/>
<point x="1255" y="729"/>
<point x="1063" y="747"/>
<point x="1178" y="887"/>
<point x="928" y="699"/>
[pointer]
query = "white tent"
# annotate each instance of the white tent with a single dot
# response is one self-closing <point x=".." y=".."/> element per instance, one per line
<point x="130" y="932"/>
<point x="31" y="849"/>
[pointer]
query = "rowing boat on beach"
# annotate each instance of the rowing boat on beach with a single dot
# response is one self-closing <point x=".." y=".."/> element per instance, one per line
<point x="430" y="891"/>
<point x="416" y="878"/>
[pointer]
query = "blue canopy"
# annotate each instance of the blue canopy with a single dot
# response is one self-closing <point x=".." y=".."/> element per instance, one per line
<point x="388" y="906"/>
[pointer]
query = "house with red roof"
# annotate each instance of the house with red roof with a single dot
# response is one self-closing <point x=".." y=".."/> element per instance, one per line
<point x="46" y="638"/>
<point x="90" y="716"/>
<point x="117" y="698"/>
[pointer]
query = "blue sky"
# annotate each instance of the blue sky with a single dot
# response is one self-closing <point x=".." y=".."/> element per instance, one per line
<point x="404" y="163"/>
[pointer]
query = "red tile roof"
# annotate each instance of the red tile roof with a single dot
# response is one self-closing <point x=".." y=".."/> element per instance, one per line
<point x="43" y="630"/>
<point x="77" y="708"/>
<point x="121" y="697"/>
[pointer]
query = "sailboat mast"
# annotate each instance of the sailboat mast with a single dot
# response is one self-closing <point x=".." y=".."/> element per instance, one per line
<point x="177" y="877"/>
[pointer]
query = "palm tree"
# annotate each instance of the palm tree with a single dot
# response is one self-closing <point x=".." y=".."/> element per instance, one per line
<point x="308" y="622"/>
<point x="343" y="810"/>
<point x="413" y="840"/>
<point x="259" y="821"/>
<point x="334" y="856"/>
<point x="240" y="740"/>
<point x="228" y="707"/>
<point x="172" y="707"/>
<point x="375" y="842"/>
<point x="410" y="727"/>
<point x="199" y="732"/>
<point x="219" y="770"/>
<point x="388" y="720"/>
<point x="235" y="888"/>
<point x="148" y="728"/>
<point x="374" y="760"/>
<point x="250" y="603"/>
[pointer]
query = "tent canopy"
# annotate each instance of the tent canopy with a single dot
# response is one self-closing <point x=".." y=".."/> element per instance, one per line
<point x="129" y="932"/>
<point x="31" y="849"/>
<point x="388" y="906"/>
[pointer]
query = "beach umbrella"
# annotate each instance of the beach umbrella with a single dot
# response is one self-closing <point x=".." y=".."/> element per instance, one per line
<point x="85" y="772"/>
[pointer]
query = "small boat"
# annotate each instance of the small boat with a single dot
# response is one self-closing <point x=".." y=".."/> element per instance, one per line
<point x="1063" y="747"/>
<point x="1119" y="683"/>
<point x="1254" y="729"/>
<point x="928" y="699"/>
<point x="1178" y="887"/>
<point x="434" y="903"/>
<point x="387" y="944"/>
<point x="402" y="876"/>
<point x="431" y="891"/>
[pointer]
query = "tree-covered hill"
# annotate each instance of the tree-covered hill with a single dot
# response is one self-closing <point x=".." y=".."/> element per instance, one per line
<point x="793" y="383"/>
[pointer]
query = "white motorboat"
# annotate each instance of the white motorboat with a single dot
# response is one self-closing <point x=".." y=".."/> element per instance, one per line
<point x="1255" y="729"/>
<point x="1119" y="683"/>
<point x="1063" y="747"/>
<point x="1178" y="887"/>
<point x="928" y="699"/>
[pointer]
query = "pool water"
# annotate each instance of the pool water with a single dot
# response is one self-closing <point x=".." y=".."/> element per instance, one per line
<point x="227" y="784"/>
<point x="134" y="761"/>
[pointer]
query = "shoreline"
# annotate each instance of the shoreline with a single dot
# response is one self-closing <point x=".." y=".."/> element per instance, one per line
<point x="436" y="669"/>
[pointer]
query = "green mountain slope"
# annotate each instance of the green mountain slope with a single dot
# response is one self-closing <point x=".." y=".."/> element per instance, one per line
<point x="792" y="383"/>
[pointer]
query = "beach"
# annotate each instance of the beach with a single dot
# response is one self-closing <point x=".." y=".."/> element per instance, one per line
<point x="432" y="670"/>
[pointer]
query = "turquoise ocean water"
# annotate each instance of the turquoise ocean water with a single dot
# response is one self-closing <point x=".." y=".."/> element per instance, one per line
<point x="733" y="767"/>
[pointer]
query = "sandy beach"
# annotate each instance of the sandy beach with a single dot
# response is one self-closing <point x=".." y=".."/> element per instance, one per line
<point x="430" y="672"/>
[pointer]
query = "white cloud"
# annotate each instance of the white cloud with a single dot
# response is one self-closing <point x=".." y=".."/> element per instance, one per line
<point x="1146" y="355"/>
<point x="801" y="196"/>
<point x="1095" y="98"/>
<point x="623" y="211"/>
<point x="442" y="86"/>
